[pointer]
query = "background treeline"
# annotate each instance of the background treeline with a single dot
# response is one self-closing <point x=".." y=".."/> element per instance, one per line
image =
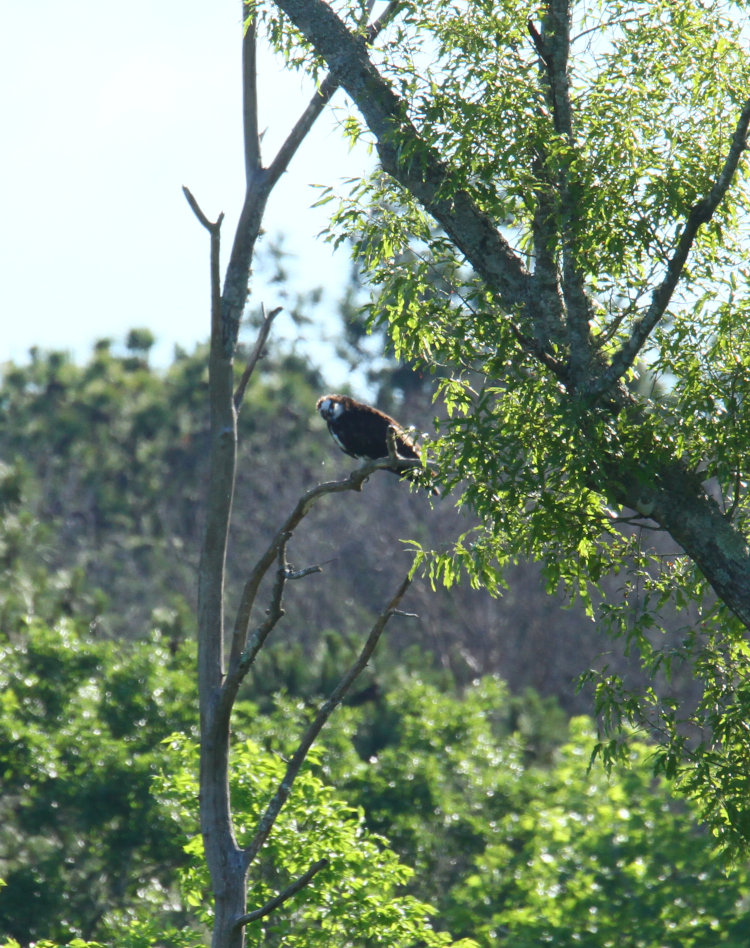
<point x="109" y="462"/>
<point x="481" y="788"/>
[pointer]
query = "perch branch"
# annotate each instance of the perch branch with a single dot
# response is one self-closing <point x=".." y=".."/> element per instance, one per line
<point x="243" y="652"/>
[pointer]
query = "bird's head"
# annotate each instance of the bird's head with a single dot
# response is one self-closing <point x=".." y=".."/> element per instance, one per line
<point x="329" y="406"/>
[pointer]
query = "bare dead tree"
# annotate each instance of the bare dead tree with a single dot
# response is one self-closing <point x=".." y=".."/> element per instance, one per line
<point x="219" y="676"/>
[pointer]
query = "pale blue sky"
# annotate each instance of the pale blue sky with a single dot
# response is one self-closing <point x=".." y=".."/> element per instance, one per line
<point x="107" y="109"/>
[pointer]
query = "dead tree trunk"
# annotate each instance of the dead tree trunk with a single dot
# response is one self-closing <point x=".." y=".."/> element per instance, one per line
<point x="219" y="676"/>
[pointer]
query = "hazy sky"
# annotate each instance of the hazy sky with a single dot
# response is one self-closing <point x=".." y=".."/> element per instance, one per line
<point x="107" y="109"/>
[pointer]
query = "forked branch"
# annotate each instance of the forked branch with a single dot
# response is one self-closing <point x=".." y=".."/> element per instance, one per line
<point x="244" y="649"/>
<point x="260" y="181"/>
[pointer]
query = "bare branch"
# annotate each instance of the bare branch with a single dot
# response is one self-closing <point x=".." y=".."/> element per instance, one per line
<point x="210" y="226"/>
<point x="282" y="897"/>
<point x="302" y="126"/>
<point x="326" y="709"/>
<point x="250" y="99"/>
<point x="701" y="213"/>
<point x="221" y="481"/>
<point x="320" y="99"/>
<point x="216" y="823"/>
<point x="255" y="354"/>
<point x="214" y="228"/>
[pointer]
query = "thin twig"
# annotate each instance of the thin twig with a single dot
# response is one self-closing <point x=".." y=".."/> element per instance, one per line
<point x="275" y="610"/>
<point x="300" y="573"/>
<point x="282" y="897"/>
<point x="255" y="354"/>
<point x="210" y="226"/>
<point x="326" y="709"/>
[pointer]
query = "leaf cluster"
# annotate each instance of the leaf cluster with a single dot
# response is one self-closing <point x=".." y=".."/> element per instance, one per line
<point x="355" y="900"/>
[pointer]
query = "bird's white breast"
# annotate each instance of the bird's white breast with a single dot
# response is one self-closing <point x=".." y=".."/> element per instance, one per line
<point x="339" y="442"/>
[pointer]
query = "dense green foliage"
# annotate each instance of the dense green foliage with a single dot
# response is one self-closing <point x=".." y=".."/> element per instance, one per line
<point x="507" y="844"/>
<point x="355" y="900"/>
<point x="84" y="715"/>
<point x="487" y="800"/>
<point x="81" y="726"/>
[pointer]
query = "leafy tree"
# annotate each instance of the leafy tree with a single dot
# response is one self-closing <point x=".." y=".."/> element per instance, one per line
<point x="600" y="862"/>
<point x="510" y="837"/>
<point x="81" y="731"/>
<point x="354" y="902"/>
<point x="578" y="169"/>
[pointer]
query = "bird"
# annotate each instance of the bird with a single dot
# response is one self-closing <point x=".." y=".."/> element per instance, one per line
<point x="361" y="431"/>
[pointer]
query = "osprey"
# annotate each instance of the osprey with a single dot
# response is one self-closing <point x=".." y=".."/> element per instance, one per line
<point x="361" y="431"/>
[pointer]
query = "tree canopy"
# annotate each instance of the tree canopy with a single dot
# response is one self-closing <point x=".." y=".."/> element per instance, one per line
<point x="575" y="171"/>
